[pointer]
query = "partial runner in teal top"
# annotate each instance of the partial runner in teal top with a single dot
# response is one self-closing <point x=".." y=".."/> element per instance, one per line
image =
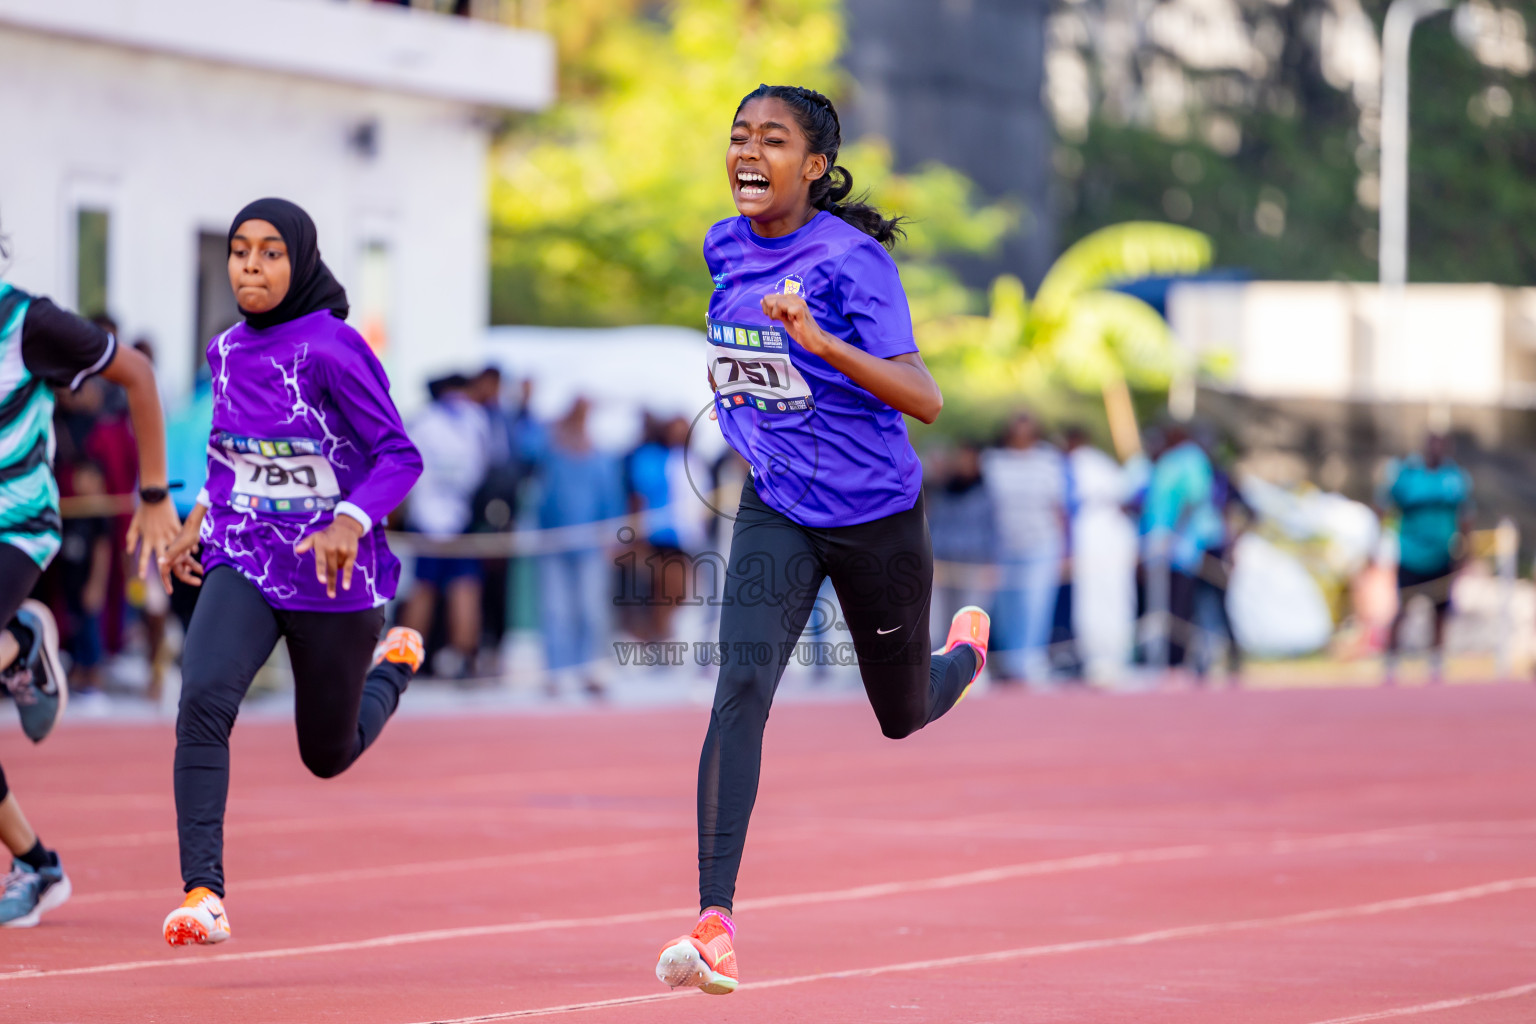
<point x="1179" y="505"/>
<point x="1433" y="497"/>
<point x="41" y="346"/>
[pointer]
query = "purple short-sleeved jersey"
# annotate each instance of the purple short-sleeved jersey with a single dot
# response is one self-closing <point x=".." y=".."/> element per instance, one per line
<point x="303" y="426"/>
<point x="823" y="450"/>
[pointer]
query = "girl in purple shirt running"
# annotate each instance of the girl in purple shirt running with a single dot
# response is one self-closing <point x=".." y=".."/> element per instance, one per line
<point x="813" y="365"/>
<point x="306" y="457"/>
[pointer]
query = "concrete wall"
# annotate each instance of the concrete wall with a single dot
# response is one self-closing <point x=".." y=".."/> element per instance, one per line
<point x="1449" y="344"/>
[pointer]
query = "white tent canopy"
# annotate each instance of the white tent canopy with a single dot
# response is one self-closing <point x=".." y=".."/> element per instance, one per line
<point x="623" y="371"/>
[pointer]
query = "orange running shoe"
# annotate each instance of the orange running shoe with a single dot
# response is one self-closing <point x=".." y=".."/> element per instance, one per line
<point x="402" y="646"/>
<point x="200" y="920"/>
<point x="704" y="958"/>
<point x="970" y="626"/>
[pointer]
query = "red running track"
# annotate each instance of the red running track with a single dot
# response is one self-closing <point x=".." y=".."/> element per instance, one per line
<point x="1293" y="857"/>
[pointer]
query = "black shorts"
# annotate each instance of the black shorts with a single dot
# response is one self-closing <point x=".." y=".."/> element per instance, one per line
<point x="1434" y="585"/>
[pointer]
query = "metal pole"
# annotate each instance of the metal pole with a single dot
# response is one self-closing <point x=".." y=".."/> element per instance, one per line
<point x="1159" y="587"/>
<point x="1396" y="33"/>
<point x="1506" y="549"/>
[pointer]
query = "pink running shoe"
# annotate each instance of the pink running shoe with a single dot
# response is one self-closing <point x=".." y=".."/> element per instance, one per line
<point x="705" y="958"/>
<point x="970" y="626"/>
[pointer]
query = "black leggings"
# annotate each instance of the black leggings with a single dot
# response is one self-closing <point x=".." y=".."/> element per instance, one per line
<point x="18" y="575"/>
<point x="340" y="706"/>
<point x="883" y="574"/>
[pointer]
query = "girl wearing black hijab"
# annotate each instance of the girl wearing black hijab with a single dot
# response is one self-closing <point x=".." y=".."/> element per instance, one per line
<point x="307" y="456"/>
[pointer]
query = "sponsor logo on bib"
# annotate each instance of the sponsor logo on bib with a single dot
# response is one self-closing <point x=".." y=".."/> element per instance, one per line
<point x="279" y="476"/>
<point x="755" y="362"/>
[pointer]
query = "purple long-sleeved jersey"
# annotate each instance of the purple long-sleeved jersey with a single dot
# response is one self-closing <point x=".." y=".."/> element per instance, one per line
<point x="303" y="429"/>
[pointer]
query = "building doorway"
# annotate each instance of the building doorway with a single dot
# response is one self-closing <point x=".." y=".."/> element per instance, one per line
<point x="216" y="309"/>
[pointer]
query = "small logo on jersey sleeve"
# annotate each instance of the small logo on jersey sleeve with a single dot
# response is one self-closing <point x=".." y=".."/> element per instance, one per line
<point x="794" y="284"/>
<point x="720" y="281"/>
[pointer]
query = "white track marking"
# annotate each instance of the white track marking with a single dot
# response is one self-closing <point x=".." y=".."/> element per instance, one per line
<point x="507" y="860"/>
<point x="550" y="1011"/>
<point x="583" y="817"/>
<point x="794" y="834"/>
<point x="984" y="876"/>
<point x="981" y="828"/>
<point x="1087" y="945"/>
<point x="1443" y="1004"/>
<point x="1078" y="863"/>
<point x="1082" y="862"/>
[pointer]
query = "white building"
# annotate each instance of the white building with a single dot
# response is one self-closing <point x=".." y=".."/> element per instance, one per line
<point x="136" y="129"/>
<point x="1439" y="344"/>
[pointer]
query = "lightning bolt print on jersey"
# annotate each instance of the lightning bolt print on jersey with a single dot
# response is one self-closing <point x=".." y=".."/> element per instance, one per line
<point x="303" y="429"/>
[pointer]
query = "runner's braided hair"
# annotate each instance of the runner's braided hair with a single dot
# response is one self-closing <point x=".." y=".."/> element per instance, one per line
<point x="824" y="134"/>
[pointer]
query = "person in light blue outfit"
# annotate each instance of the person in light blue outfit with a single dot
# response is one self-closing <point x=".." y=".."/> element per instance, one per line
<point x="1432" y="497"/>
<point x="186" y="458"/>
<point x="578" y="485"/>
<point x="1180" y="521"/>
<point x="1026" y="480"/>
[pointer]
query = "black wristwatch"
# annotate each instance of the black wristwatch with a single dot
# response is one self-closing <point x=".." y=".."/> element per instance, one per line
<point x="155" y="495"/>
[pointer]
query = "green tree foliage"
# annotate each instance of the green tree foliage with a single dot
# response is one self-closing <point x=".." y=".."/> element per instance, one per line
<point x="600" y="206"/>
<point x="1472" y="204"/>
<point x="1278" y="165"/>
<point x="1075" y="331"/>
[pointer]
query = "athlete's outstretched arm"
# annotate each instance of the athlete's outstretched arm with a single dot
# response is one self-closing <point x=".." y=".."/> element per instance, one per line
<point x="154" y="526"/>
<point x="902" y="382"/>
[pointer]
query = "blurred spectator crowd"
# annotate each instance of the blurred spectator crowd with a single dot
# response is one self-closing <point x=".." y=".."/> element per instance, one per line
<point x="1089" y="566"/>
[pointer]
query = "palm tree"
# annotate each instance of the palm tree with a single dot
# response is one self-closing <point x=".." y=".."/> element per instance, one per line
<point x="1075" y="331"/>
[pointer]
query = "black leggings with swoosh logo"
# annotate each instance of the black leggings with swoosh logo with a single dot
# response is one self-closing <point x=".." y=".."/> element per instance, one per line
<point x="883" y="574"/>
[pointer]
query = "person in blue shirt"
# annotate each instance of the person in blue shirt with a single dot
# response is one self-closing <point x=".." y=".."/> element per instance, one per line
<point x="1180" y="518"/>
<point x="186" y="456"/>
<point x="1432" y="498"/>
<point x="578" y="485"/>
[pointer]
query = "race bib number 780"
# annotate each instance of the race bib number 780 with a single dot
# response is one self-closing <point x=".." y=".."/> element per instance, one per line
<point x="280" y="476"/>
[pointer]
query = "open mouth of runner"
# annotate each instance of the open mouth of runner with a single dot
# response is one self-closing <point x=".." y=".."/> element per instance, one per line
<point x="751" y="184"/>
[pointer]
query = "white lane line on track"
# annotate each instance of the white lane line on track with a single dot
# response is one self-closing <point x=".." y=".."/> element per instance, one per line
<point x="968" y="878"/>
<point x="506" y="860"/>
<point x="575" y="817"/>
<point x="1442" y="1004"/>
<point x="1087" y="945"/>
<point x="1276" y="846"/>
